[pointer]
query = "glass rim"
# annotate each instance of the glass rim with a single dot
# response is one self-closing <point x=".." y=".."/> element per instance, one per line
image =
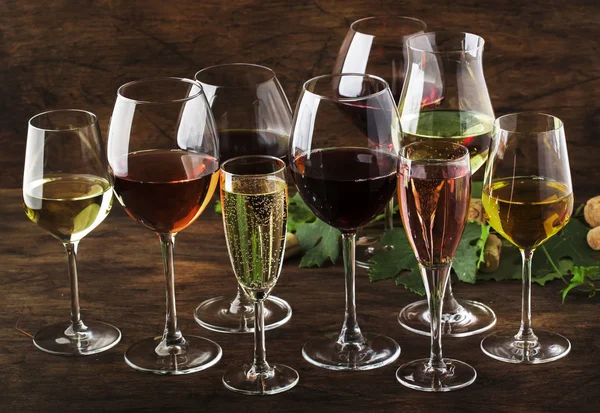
<point x="237" y="64"/>
<point x="436" y="160"/>
<point x="391" y="17"/>
<point x="93" y="117"/>
<point x="156" y="79"/>
<point x="532" y="114"/>
<point x="345" y="99"/>
<point x="279" y="161"/>
<point x="481" y="42"/>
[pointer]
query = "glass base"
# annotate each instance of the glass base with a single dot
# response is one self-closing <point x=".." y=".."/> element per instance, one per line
<point x="473" y="318"/>
<point x="215" y="314"/>
<point x="60" y="339"/>
<point x="326" y="353"/>
<point x="418" y="375"/>
<point x="197" y="354"/>
<point x="503" y="346"/>
<point x="242" y="380"/>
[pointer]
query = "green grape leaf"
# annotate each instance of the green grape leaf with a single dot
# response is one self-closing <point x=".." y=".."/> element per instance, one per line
<point x="298" y="213"/>
<point x="468" y="254"/>
<point x="476" y="189"/>
<point x="218" y="208"/>
<point x="321" y="243"/>
<point x="582" y="277"/>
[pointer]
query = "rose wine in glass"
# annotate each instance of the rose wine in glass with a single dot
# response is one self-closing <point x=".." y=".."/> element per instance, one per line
<point x="527" y="198"/>
<point x="434" y="185"/>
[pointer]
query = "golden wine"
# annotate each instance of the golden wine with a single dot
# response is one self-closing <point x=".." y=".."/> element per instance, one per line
<point x="471" y="129"/>
<point x="68" y="206"/>
<point x="527" y="210"/>
<point x="255" y="218"/>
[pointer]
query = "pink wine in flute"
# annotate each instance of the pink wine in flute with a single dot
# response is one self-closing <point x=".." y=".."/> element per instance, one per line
<point x="433" y="207"/>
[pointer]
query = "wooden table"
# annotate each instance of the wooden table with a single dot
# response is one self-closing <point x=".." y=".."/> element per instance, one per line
<point x="540" y="55"/>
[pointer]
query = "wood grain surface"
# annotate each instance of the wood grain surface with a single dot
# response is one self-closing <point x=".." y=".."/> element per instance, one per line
<point x="540" y="55"/>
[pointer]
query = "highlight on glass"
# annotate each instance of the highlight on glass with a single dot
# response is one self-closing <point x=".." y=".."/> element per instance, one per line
<point x="253" y="117"/>
<point x="163" y="157"/>
<point x="527" y="198"/>
<point x="67" y="192"/>
<point x="254" y="201"/>
<point x="434" y="187"/>
<point x="343" y="155"/>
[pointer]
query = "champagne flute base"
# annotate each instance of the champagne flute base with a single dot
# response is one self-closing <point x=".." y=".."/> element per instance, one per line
<point x="418" y="375"/>
<point x="215" y="314"/>
<point x="59" y="339"/>
<point x="197" y="354"/>
<point x="503" y="346"/>
<point x="327" y="353"/>
<point x="279" y="379"/>
<point x="473" y="318"/>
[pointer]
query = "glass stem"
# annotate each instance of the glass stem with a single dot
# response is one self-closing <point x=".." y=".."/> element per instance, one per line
<point x="171" y="336"/>
<point x="436" y="279"/>
<point x="260" y="365"/>
<point x="350" y="333"/>
<point x="526" y="331"/>
<point x="388" y="222"/>
<point x="241" y="303"/>
<point x="451" y="306"/>
<point x="77" y="325"/>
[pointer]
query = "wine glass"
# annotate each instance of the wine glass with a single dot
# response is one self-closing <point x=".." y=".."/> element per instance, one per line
<point x="449" y="63"/>
<point x="253" y="117"/>
<point x="377" y="46"/>
<point x="434" y="186"/>
<point x="343" y="155"/>
<point x="254" y="201"/>
<point x="67" y="192"/>
<point x="163" y="156"/>
<point x="527" y="198"/>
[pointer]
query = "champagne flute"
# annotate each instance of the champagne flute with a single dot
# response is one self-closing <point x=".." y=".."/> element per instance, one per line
<point x="377" y="46"/>
<point x="434" y="189"/>
<point x="449" y="63"/>
<point x="162" y="152"/>
<point x="343" y="155"/>
<point x="527" y="198"/>
<point x="253" y="117"/>
<point x="254" y="200"/>
<point x="67" y="192"/>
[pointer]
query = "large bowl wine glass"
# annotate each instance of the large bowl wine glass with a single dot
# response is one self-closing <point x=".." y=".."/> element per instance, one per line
<point x="162" y="152"/>
<point x="67" y="192"/>
<point x="449" y="63"/>
<point x="253" y="117"/>
<point x="527" y="198"/>
<point x="343" y="155"/>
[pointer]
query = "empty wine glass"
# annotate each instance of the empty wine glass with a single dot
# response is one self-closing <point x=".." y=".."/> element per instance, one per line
<point x="450" y="65"/>
<point x="254" y="200"/>
<point x="253" y="117"/>
<point x="162" y="152"/>
<point x="377" y="46"/>
<point x="343" y="155"/>
<point x="527" y="198"/>
<point x="434" y="186"/>
<point x="67" y="192"/>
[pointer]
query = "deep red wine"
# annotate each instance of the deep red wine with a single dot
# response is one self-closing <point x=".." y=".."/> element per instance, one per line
<point x="239" y="142"/>
<point x="166" y="190"/>
<point x="345" y="187"/>
<point x="434" y="202"/>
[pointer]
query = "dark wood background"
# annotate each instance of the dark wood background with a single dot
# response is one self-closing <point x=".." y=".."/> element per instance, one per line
<point x="540" y="55"/>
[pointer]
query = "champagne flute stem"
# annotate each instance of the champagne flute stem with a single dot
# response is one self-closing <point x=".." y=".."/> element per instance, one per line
<point x="76" y="323"/>
<point x="451" y="306"/>
<point x="171" y="336"/>
<point x="350" y="333"/>
<point x="388" y="222"/>
<point x="260" y="365"/>
<point x="436" y="279"/>
<point x="526" y="331"/>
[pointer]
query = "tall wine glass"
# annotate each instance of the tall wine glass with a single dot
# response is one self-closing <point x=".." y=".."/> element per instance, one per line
<point x="377" y="46"/>
<point x="343" y="155"/>
<point x="527" y="198"/>
<point x="162" y="152"/>
<point x="67" y="192"/>
<point x="253" y="117"/>
<point x="434" y="189"/>
<point x="450" y="63"/>
<point x="254" y="200"/>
